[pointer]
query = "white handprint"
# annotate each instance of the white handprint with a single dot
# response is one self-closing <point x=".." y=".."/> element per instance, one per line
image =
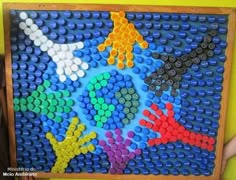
<point x="61" y="54"/>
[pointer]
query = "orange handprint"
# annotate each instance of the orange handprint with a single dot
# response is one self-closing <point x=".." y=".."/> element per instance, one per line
<point x="122" y="39"/>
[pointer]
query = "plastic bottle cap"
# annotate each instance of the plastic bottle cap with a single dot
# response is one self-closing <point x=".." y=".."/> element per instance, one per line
<point x="60" y="71"/>
<point x="37" y="42"/>
<point x="80" y="73"/>
<point x="16" y="101"/>
<point x="77" y="61"/>
<point x="37" y="109"/>
<point x="35" y="94"/>
<point x="61" y="64"/>
<point x="51" y="52"/>
<point x="101" y="47"/>
<point x="61" y="55"/>
<point x="128" y="97"/>
<point x="44" y="111"/>
<point x="64" y="47"/>
<point x="101" y="100"/>
<point x="52" y="108"/>
<point x="69" y="55"/>
<point x="84" y="66"/>
<point x="92" y="94"/>
<point x="62" y="78"/>
<point x="125" y="121"/>
<point x="23" y="15"/>
<point x="33" y="27"/>
<point x="16" y="108"/>
<point x="72" y="47"/>
<point x="38" y="33"/>
<point x="97" y="86"/>
<point x="49" y="44"/>
<point x="80" y="45"/>
<point x="97" y="106"/>
<point x="50" y="115"/>
<point x="120" y="65"/>
<point x="111" y="107"/>
<point x="43" y="39"/>
<point x="41" y="88"/>
<point x="68" y="71"/>
<point x="30" y="99"/>
<point x="59" y="109"/>
<point x="70" y="102"/>
<point x="111" y="60"/>
<point x="66" y="93"/>
<point x="58" y="119"/>
<point x="103" y="83"/>
<point x="44" y="47"/>
<point x="101" y="112"/>
<point x="97" y="117"/>
<point x="73" y="77"/>
<point x="93" y="100"/>
<point x="56" y="47"/>
<point x="130" y="63"/>
<point x="67" y="109"/>
<point x="104" y="106"/>
<point x="32" y="36"/>
<point x="23" y="108"/>
<point x="74" y="68"/>
<point x="54" y="102"/>
<point x="23" y="26"/>
<point x="99" y="124"/>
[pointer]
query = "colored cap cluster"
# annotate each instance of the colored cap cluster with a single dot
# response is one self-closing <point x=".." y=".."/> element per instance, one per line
<point x="61" y="54"/>
<point x="49" y="104"/>
<point x="103" y="109"/>
<point x="122" y="39"/>
<point x="71" y="146"/>
<point x="171" y="130"/>
<point x="118" y="151"/>
<point x="130" y="99"/>
<point x="170" y="74"/>
<point x="110" y="100"/>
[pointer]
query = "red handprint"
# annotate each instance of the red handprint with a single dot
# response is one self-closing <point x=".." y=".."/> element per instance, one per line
<point x="171" y="130"/>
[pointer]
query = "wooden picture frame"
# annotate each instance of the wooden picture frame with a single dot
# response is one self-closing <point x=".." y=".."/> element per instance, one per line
<point x="134" y="8"/>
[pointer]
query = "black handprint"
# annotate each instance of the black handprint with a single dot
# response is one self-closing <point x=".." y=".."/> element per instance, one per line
<point x="170" y="73"/>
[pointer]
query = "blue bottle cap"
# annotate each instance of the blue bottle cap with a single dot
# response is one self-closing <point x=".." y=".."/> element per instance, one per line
<point x="175" y="17"/>
<point x="54" y="14"/>
<point x="166" y="26"/>
<point x="202" y="18"/>
<point x="33" y="14"/>
<point x="176" y="27"/>
<point x="203" y="28"/>
<point x="67" y="14"/>
<point x="77" y="14"/>
<point x="87" y="14"/>
<point x="157" y="26"/>
<point x="44" y="15"/>
<point x="53" y="24"/>
<point x="221" y="19"/>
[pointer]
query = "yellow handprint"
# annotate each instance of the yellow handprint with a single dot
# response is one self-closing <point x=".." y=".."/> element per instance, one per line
<point x="71" y="146"/>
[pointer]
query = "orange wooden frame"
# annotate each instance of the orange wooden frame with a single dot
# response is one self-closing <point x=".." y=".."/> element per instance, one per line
<point x="135" y="8"/>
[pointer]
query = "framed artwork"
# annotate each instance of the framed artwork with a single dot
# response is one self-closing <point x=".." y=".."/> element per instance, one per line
<point x="117" y="92"/>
